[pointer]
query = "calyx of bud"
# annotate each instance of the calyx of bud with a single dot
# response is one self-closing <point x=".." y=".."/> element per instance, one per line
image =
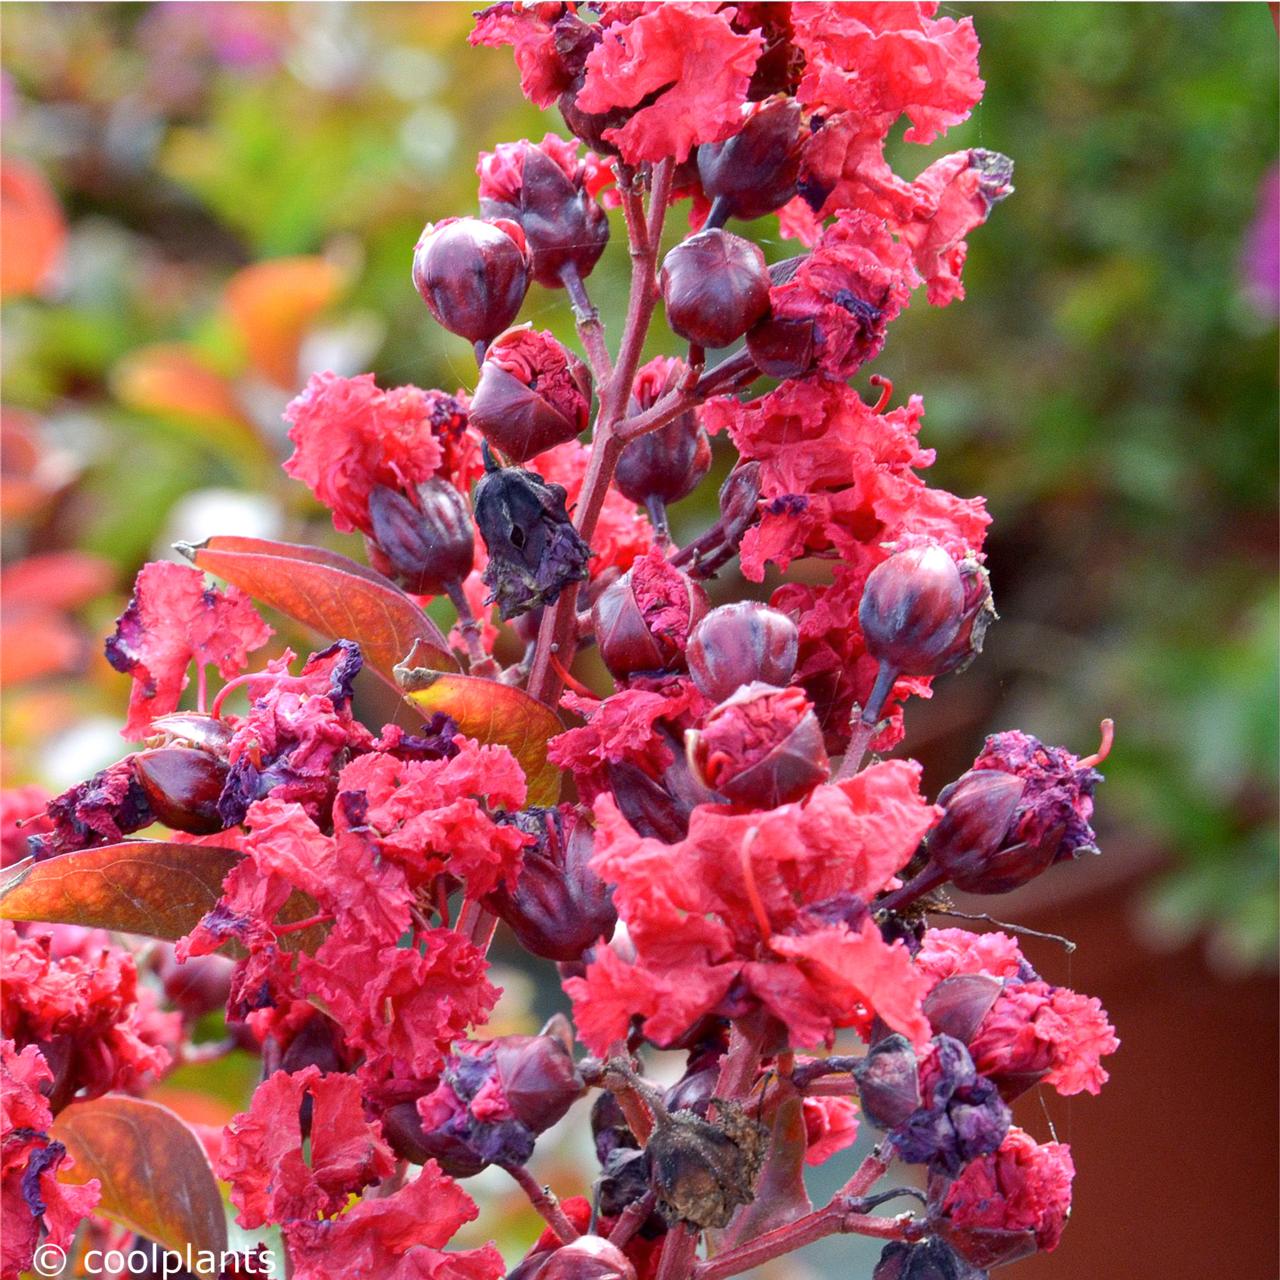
<point x="754" y="172"/>
<point x="472" y="275"/>
<point x="739" y="644"/>
<point x="715" y="286"/>
<point x="426" y="542"/>
<point x="761" y="747"/>
<point x="559" y="906"/>
<point x="642" y="621"/>
<point x="533" y="394"/>
<point x="564" y="227"/>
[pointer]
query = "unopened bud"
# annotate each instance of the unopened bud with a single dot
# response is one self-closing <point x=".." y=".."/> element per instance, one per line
<point x="198" y="985"/>
<point x="472" y="275"/>
<point x="541" y="188"/>
<point x="755" y="171"/>
<point x="715" y="286"/>
<point x="182" y="785"/>
<point x="425" y="544"/>
<point x="888" y="1081"/>
<point x="623" y="1180"/>
<point x="658" y="808"/>
<point x="559" y="906"/>
<point x="586" y="1258"/>
<point x="533" y="394"/>
<point x="930" y="1259"/>
<point x="667" y="464"/>
<point x="534" y="550"/>
<point x="912" y="609"/>
<point x="740" y="643"/>
<point x="642" y="622"/>
<point x="1021" y="808"/>
<point x="761" y="747"/>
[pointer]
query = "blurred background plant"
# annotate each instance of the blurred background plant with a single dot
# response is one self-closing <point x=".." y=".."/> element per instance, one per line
<point x="202" y="203"/>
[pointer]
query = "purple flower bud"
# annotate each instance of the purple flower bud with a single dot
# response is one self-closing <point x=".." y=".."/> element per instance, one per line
<point x="715" y="286"/>
<point x="658" y="808"/>
<point x="930" y="1259"/>
<point x="739" y="644"/>
<point x="586" y="1258"/>
<point x="755" y="171"/>
<point x="472" y="275"/>
<point x="533" y="394"/>
<point x="888" y="1081"/>
<point x="609" y="1128"/>
<point x="963" y="1116"/>
<point x="912" y="610"/>
<point x="493" y="1099"/>
<point x="534" y="550"/>
<point x="426" y="543"/>
<point x="559" y="906"/>
<point x="1021" y="808"/>
<point x="969" y="843"/>
<point x="183" y="785"/>
<point x="541" y="187"/>
<point x="761" y="747"/>
<point x="642" y="621"/>
<point x="667" y="464"/>
<point x="624" y="1178"/>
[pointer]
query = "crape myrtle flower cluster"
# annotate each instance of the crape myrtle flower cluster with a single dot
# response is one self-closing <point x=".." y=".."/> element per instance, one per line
<point x="716" y="868"/>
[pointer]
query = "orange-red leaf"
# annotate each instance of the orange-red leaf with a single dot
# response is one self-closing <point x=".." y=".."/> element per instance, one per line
<point x="32" y="229"/>
<point x="153" y="887"/>
<point x="273" y="303"/>
<point x="155" y="1176"/>
<point x="327" y="592"/>
<point x="495" y="713"/>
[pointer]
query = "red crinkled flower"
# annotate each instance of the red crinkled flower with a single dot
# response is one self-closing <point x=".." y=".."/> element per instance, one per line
<point x="31" y="1195"/>
<point x="622" y="533"/>
<point x="764" y="909"/>
<point x="349" y="437"/>
<point x="296" y="734"/>
<point x="690" y="57"/>
<point x="111" y="1033"/>
<point x="954" y="195"/>
<point x="501" y="171"/>
<point x="22" y="815"/>
<point x="1023" y="1187"/>
<point x="880" y="61"/>
<point x="403" y="1006"/>
<point x="173" y="619"/>
<point x="1036" y="1028"/>
<point x="1032" y="1027"/>
<point x="528" y="28"/>
<point x="395" y="1237"/>
<point x="625" y="726"/>
<point x="848" y="290"/>
<point x="944" y="953"/>
<point x="831" y="1125"/>
<point x="262" y="1149"/>
<point x="426" y="816"/>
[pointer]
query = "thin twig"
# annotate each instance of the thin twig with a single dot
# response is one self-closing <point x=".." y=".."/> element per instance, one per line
<point x="545" y="1202"/>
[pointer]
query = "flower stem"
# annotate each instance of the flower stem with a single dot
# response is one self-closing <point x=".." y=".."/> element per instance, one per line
<point x="590" y="328"/>
<point x="544" y="1201"/>
<point x="556" y="635"/>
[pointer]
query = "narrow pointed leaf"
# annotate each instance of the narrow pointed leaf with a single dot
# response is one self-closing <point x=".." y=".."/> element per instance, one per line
<point x="494" y="713"/>
<point x="325" y="591"/>
<point x="155" y="1176"/>
<point x="152" y="887"/>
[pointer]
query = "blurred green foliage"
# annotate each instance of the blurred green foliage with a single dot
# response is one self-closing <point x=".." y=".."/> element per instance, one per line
<point x="1107" y="384"/>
